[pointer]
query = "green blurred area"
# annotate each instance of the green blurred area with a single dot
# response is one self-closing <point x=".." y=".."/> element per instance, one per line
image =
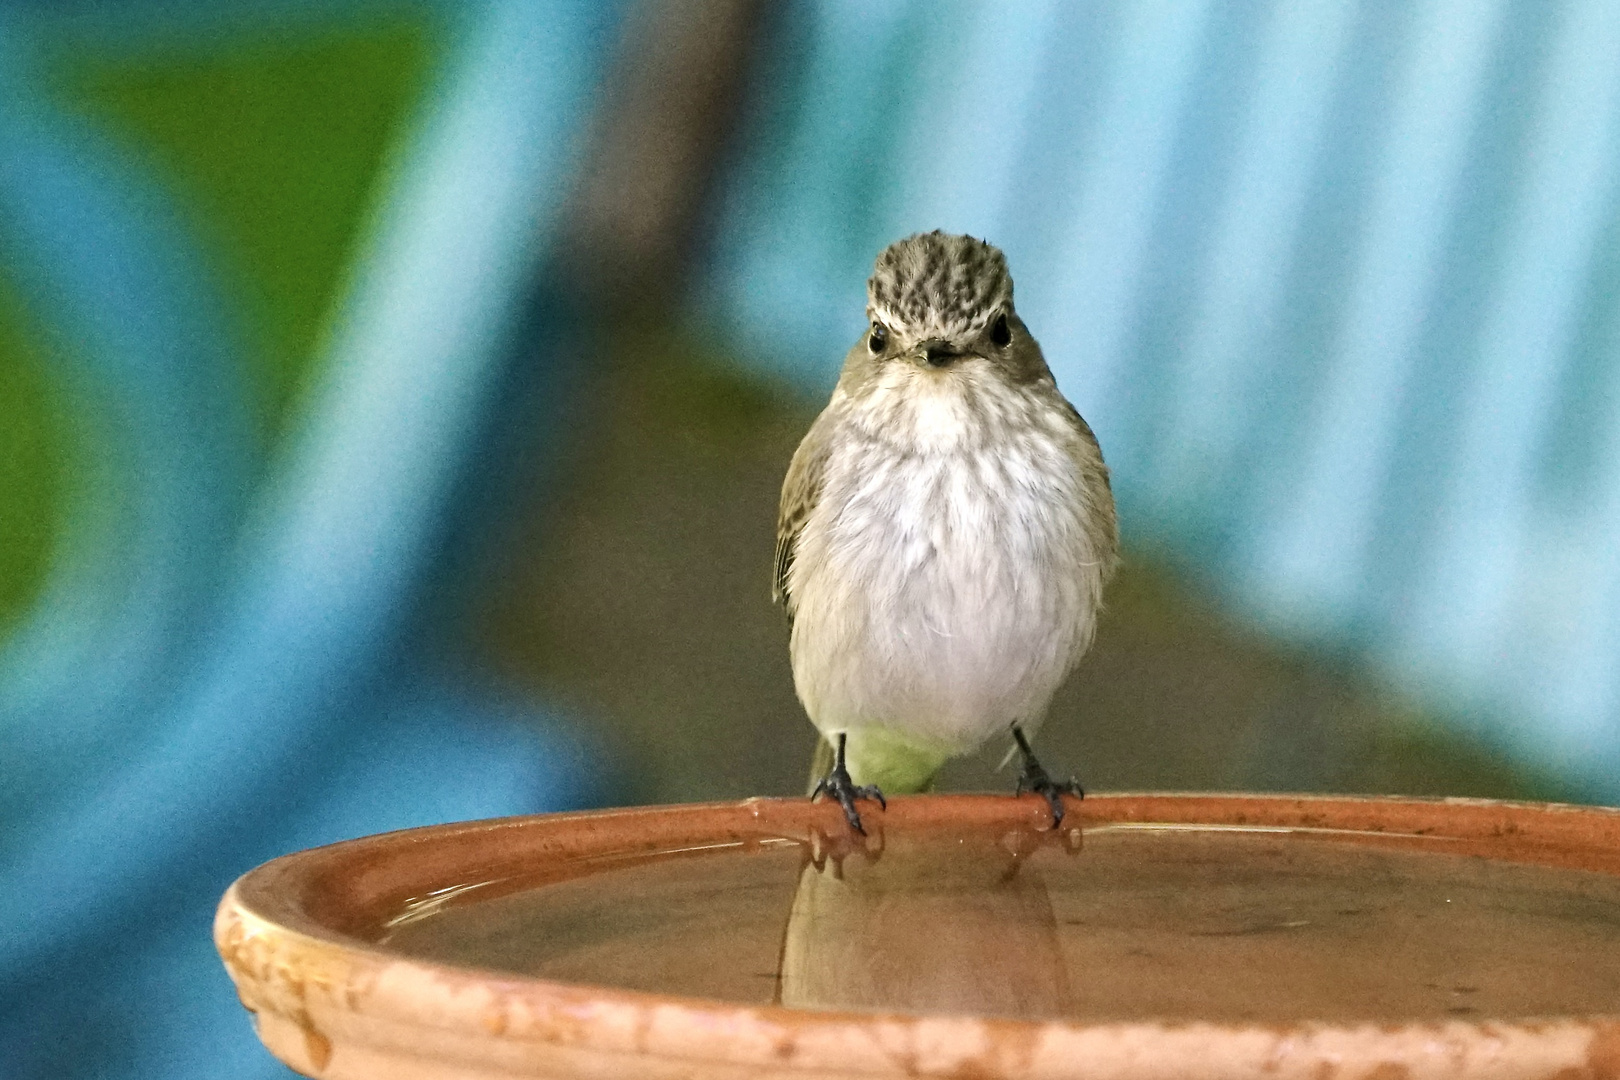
<point x="35" y="453"/>
<point x="275" y="147"/>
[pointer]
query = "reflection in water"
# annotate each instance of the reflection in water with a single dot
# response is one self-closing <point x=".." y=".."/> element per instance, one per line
<point x="893" y="925"/>
<point x="1145" y="921"/>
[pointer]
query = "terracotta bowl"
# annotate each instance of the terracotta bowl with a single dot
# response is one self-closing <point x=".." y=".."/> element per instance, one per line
<point x="1150" y="936"/>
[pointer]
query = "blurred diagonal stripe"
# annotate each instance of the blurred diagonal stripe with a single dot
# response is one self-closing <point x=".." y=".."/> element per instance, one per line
<point x="1478" y="621"/>
<point x="1330" y="495"/>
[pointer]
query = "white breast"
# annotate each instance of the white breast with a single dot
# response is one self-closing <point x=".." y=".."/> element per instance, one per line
<point x="944" y="593"/>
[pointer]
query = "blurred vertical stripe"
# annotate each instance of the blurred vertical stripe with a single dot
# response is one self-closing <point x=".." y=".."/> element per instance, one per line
<point x="35" y="448"/>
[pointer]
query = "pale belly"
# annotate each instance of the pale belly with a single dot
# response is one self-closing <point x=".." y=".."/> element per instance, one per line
<point x="942" y="598"/>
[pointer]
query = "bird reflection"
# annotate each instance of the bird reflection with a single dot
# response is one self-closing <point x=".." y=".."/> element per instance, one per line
<point x="908" y="922"/>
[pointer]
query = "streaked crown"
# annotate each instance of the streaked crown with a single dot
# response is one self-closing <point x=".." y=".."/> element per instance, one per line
<point x="936" y="285"/>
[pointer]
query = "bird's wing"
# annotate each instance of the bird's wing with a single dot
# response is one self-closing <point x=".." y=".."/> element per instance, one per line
<point x="800" y="492"/>
<point x="1097" y="490"/>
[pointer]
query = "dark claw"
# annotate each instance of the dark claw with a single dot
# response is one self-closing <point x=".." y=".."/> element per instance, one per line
<point x="839" y="785"/>
<point x="1054" y="792"/>
<point x="1034" y="779"/>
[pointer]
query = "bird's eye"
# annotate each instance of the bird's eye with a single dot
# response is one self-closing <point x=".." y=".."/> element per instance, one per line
<point x="1000" y="332"/>
<point x="879" y="338"/>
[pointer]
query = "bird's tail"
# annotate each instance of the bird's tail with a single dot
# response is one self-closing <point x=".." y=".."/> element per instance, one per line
<point x="916" y="774"/>
<point x="821" y="764"/>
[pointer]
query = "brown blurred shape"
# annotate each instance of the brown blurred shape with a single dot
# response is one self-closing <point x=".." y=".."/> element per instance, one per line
<point x="668" y="108"/>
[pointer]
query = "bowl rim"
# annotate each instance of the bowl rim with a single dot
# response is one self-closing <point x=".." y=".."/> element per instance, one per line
<point x="312" y="985"/>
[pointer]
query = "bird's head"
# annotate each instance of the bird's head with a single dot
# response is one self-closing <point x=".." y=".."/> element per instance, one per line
<point x="936" y="301"/>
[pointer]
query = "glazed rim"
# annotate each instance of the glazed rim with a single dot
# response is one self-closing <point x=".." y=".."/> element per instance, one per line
<point x="297" y="937"/>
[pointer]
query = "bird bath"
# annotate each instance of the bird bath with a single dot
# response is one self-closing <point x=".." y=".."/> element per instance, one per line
<point x="1154" y="935"/>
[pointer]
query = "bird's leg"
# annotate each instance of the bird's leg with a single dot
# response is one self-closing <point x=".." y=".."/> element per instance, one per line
<point x="839" y="785"/>
<point x="1034" y="778"/>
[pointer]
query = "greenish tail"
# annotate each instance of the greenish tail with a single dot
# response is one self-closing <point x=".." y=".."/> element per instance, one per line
<point x="896" y="764"/>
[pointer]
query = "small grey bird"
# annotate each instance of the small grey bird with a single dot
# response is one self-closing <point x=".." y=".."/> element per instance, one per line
<point x="945" y="532"/>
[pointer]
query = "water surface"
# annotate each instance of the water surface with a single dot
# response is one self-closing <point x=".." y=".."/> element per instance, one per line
<point x="1127" y="922"/>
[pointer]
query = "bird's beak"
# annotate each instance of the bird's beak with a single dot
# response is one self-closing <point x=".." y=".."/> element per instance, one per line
<point x="937" y="353"/>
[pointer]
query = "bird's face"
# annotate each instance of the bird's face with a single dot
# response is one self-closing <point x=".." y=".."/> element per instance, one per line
<point x="939" y="345"/>
<point x="940" y="314"/>
<point x="939" y="391"/>
<point x="945" y="364"/>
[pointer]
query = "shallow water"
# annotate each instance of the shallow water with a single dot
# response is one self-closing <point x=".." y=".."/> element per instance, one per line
<point x="1127" y="922"/>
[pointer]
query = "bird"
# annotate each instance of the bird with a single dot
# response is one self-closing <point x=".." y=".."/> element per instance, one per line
<point x="945" y="533"/>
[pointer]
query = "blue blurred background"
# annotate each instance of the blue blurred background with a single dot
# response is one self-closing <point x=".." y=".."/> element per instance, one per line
<point x="393" y="398"/>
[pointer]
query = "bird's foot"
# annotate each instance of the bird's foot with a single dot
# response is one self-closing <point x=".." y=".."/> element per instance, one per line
<point x="838" y="785"/>
<point x="1035" y="779"/>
